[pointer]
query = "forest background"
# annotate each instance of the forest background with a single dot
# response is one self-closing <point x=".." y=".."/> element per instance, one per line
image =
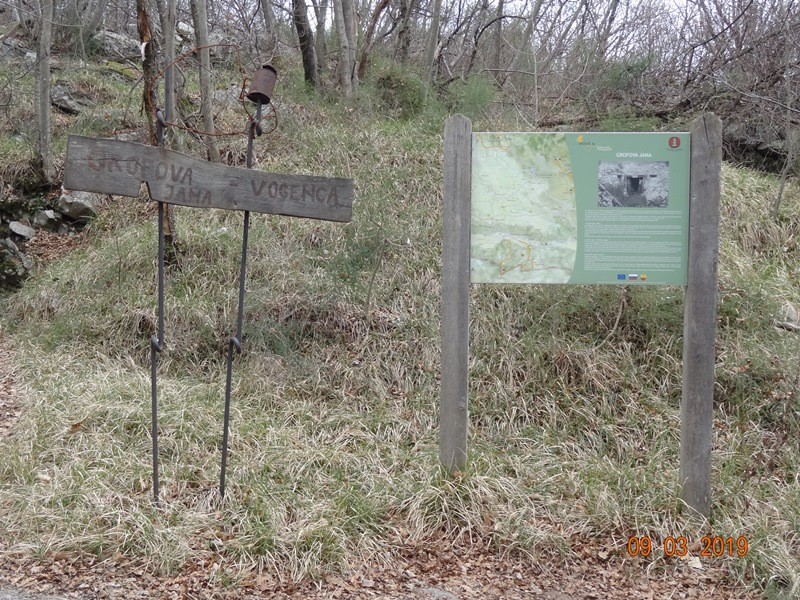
<point x="575" y="390"/>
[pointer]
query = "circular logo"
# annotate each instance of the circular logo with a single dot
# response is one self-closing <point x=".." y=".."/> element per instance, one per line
<point x="580" y="139"/>
<point x="675" y="142"/>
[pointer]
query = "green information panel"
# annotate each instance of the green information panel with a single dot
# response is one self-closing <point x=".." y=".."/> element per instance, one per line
<point x="580" y="208"/>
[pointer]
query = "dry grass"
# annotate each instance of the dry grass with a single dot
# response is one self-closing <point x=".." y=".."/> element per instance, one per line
<point x="574" y="405"/>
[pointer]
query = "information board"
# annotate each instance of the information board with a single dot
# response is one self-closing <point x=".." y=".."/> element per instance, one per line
<point x="584" y="208"/>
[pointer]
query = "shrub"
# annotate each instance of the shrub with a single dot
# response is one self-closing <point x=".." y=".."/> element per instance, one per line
<point x="472" y="95"/>
<point x="401" y="92"/>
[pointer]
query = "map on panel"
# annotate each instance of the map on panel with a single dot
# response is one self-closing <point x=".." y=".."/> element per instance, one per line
<point x="580" y="208"/>
<point x="524" y="214"/>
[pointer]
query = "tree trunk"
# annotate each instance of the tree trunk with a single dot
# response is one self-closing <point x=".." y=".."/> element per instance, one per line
<point x="95" y="17"/>
<point x="21" y="16"/>
<point x="497" y="53"/>
<point x="306" y="39"/>
<point x="321" y="46"/>
<point x="350" y="26"/>
<point x="433" y="39"/>
<point x="404" y="33"/>
<point x="206" y="109"/>
<point x="44" y="149"/>
<point x="270" y="28"/>
<point x="149" y="102"/>
<point x="527" y="38"/>
<point x="370" y="34"/>
<point x="342" y="16"/>
<point x="148" y="68"/>
<point x="83" y="19"/>
<point x="608" y="22"/>
<point x="166" y="14"/>
<point x="789" y="133"/>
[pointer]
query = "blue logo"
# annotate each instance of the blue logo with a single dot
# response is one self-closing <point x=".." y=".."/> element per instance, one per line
<point x="621" y="276"/>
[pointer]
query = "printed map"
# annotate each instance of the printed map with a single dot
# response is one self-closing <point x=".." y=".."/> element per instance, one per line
<point x="524" y="215"/>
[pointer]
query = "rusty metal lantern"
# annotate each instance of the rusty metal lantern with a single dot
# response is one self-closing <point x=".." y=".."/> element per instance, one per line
<point x="262" y="84"/>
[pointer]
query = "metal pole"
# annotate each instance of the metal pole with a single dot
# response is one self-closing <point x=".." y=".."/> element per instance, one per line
<point x="157" y="341"/>
<point x="236" y="341"/>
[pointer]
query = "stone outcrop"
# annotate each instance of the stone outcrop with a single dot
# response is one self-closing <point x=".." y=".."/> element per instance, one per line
<point x="117" y="45"/>
<point x="14" y="265"/>
<point x="79" y="206"/>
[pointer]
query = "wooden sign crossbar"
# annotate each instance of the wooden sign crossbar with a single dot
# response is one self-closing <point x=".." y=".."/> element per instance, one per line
<point x="119" y="168"/>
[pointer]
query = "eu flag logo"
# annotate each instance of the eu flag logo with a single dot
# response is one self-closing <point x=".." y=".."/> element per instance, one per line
<point x="621" y="276"/>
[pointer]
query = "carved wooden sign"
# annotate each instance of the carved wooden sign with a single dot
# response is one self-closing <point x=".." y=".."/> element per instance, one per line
<point x="120" y="168"/>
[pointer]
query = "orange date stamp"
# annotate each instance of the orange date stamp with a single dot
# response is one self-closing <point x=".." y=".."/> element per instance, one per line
<point x="711" y="546"/>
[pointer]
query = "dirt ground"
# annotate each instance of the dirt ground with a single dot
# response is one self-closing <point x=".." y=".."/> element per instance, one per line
<point x="437" y="571"/>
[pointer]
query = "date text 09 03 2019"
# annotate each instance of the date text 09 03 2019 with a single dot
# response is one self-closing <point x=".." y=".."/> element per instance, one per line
<point x="709" y="546"/>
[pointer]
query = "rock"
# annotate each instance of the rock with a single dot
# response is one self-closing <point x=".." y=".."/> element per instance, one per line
<point x="116" y="44"/>
<point x="12" y="49"/>
<point x="185" y="31"/>
<point x="12" y="249"/>
<point x="229" y="97"/>
<point x="14" y="265"/>
<point x="46" y="218"/>
<point x="186" y="40"/>
<point x="22" y="230"/>
<point x="68" y="102"/>
<point x="77" y="205"/>
<point x="217" y="37"/>
<point x="790" y="312"/>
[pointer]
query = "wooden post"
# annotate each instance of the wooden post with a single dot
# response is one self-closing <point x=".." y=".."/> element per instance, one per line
<point x="700" y="314"/>
<point x="453" y="415"/>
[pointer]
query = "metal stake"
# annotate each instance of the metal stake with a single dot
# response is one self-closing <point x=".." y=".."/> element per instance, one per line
<point x="157" y="341"/>
<point x="236" y="341"/>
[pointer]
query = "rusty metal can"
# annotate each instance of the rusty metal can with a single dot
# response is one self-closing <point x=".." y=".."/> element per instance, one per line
<point x="262" y="84"/>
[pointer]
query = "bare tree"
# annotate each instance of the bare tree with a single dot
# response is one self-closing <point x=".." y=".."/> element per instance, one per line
<point x="206" y="97"/>
<point x="306" y="38"/>
<point x="44" y="146"/>
<point x="790" y="135"/>
<point x="433" y="38"/>
<point x="270" y="26"/>
<point x="83" y="20"/>
<point x="403" y="47"/>
<point x="350" y="25"/>
<point x="321" y="47"/>
<point x="497" y="51"/>
<point x="149" y="101"/>
<point x="167" y="16"/>
<point x="370" y="35"/>
<point x="342" y="13"/>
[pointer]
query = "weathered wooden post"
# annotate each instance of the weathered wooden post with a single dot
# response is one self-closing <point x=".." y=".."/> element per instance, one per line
<point x="454" y="395"/>
<point x="700" y="314"/>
